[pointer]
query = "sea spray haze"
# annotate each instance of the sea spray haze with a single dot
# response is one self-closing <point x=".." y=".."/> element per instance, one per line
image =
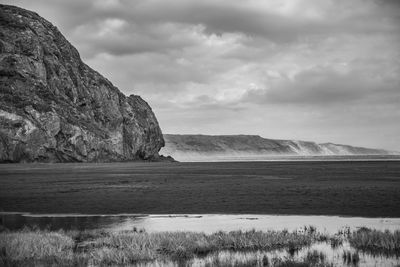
<point x="198" y="147"/>
<point x="55" y="108"/>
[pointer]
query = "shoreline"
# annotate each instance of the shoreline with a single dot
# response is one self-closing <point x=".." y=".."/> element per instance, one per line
<point x="201" y="223"/>
<point x="182" y="215"/>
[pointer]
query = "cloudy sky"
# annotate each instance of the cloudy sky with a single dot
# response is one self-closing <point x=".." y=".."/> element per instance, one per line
<point x="320" y="70"/>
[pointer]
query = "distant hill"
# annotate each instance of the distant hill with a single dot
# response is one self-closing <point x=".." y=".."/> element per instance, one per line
<point x="198" y="147"/>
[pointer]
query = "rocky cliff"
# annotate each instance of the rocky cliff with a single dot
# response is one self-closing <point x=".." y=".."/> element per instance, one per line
<point x="55" y="108"/>
<point x="213" y="147"/>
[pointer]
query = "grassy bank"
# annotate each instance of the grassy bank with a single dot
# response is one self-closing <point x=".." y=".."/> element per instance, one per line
<point x="376" y="242"/>
<point x="66" y="248"/>
<point x="129" y="247"/>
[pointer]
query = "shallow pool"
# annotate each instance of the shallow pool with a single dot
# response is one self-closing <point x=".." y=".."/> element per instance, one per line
<point x="207" y="223"/>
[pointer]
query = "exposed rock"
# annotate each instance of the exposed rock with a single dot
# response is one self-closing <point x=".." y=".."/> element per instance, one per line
<point x="55" y="108"/>
<point x="227" y="147"/>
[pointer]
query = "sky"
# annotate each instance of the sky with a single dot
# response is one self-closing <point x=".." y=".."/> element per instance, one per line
<point x="315" y="70"/>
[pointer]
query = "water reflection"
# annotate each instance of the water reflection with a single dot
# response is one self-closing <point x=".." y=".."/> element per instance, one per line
<point x="331" y="255"/>
<point x="67" y="222"/>
<point x="207" y="223"/>
<point x="213" y="223"/>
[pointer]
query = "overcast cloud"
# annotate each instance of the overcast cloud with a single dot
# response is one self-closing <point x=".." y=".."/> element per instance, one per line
<point x="320" y="70"/>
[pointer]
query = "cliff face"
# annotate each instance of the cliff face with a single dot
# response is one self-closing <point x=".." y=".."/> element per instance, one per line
<point x="220" y="147"/>
<point x="54" y="108"/>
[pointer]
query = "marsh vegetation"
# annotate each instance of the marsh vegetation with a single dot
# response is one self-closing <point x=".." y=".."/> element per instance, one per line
<point x="376" y="242"/>
<point x="235" y="248"/>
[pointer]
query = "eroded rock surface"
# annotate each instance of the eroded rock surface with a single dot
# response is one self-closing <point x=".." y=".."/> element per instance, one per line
<point x="55" y="108"/>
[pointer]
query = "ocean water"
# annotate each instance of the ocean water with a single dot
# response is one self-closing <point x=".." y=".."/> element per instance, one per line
<point x="163" y="197"/>
<point x="357" y="188"/>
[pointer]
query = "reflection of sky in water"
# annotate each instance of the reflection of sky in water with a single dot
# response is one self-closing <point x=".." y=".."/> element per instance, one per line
<point x="333" y="255"/>
<point x="201" y="223"/>
<point x="213" y="223"/>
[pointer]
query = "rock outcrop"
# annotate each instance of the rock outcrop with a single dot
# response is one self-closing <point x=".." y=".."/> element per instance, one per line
<point x="55" y="108"/>
<point x="229" y="147"/>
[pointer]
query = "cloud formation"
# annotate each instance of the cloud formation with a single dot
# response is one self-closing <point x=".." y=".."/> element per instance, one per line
<point x="321" y="70"/>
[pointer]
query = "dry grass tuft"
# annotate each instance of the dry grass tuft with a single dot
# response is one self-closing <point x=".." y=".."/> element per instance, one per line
<point x="376" y="242"/>
<point x="43" y="246"/>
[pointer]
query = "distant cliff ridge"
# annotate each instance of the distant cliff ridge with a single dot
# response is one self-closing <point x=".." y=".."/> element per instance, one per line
<point x="55" y="108"/>
<point x="203" y="147"/>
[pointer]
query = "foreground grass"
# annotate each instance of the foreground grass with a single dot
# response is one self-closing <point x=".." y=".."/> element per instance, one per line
<point x="129" y="247"/>
<point x="376" y="242"/>
<point x="40" y="247"/>
<point x="24" y="247"/>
